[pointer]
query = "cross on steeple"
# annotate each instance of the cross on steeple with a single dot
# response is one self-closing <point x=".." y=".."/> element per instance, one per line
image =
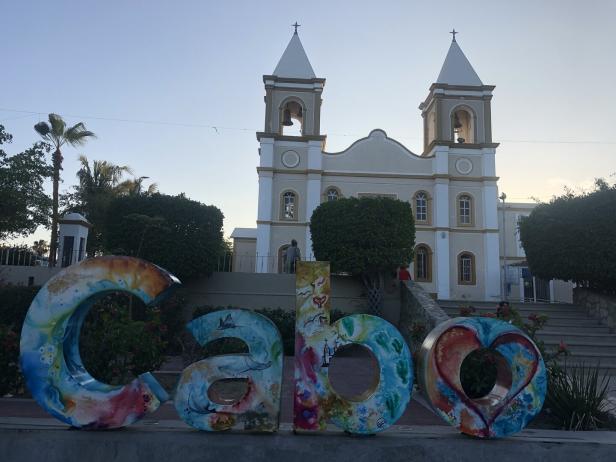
<point x="453" y="32"/>
<point x="296" y="26"/>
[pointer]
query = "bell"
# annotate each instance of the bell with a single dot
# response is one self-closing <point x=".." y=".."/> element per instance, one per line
<point x="456" y="122"/>
<point x="287" y="122"/>
<point x="299" y="113"/>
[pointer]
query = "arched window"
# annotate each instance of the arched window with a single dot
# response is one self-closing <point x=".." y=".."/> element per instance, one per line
<point x="463" y="125"/>
<point x="423" y="263"/>
<point x="466" y="268"/>
<point x="288" y="206"/>
<point x="332" y="194"/>
<point x="421" y="205"/>
<point x="292" y="119"/>
<point x="465" y="210"/>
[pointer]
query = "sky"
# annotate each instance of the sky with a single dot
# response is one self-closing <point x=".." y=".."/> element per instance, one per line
<point x="153" y="78"/>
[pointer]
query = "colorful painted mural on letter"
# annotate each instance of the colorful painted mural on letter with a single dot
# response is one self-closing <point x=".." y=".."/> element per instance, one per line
<point x="520" y="387"/>
<point x="316" y="341"/>
<point x="50" y="360"/>
<point x="259" y="408"/>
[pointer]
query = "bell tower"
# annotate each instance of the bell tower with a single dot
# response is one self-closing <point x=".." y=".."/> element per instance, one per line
<point x="457" y="111"/>
<point x="458" y="135"/>
<point x="293" y="95"/>
<point x="290" y="144"/>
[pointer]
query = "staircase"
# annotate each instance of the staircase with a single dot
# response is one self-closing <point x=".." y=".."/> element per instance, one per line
<point x="588" y="341"/>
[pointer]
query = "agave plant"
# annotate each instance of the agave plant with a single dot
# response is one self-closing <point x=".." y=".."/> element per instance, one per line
<point x="577" y="397"/>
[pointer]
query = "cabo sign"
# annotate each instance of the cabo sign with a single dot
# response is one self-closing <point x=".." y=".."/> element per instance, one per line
<point x="60" y="383"/>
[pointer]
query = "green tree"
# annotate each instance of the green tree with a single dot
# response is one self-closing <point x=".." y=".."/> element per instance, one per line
<point x="23" y="202"/>
<point x="99" y="182"/>
<point x="179" y="234"/>
<point x="574" y="238"/>
<point x="367" y="237"/>
<point x="57" y="134"/>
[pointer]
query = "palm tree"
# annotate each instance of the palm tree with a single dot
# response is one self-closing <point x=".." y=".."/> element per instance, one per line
<point x="57" y="134"/>
<point x="101" y="176"/>
<point x="135" y="187"/>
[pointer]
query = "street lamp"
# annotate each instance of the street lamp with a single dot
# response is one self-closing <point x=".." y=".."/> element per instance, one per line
<point x="502" y="197"/>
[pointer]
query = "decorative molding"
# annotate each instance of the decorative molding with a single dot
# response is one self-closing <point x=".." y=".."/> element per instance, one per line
<point x="464" y="166"/>
<point x="290" y="159"/>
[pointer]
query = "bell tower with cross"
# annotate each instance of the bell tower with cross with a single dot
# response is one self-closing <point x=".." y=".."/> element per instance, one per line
<point x="457" y="110"/>
<point x="291" y="143"/>
<point x="458" y="135"/>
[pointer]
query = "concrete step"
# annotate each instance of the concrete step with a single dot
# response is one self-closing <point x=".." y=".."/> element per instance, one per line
<point x="575" y="337"/>
<point x="556" y="314"/>
<point x="582" y="348"/>
<point x="572" y="324"/>
<point x="597" y="329"/>
<point x="604" y="359"/>
<point x="516" y="305"/>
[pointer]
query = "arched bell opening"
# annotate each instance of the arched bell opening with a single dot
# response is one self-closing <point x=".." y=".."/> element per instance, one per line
<point x="463" y="125"/>
<point x="292" y="119"/>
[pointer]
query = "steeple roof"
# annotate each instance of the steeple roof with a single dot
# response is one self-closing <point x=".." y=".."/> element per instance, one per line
<point x="456" y="69"/>
<point x="294" y="63"/>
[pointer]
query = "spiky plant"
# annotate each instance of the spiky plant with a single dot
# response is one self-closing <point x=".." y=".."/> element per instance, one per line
<point x="577" y="397"/>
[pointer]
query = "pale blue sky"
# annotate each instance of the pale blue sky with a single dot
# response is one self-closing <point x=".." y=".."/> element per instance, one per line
<point x="192" y="64"/>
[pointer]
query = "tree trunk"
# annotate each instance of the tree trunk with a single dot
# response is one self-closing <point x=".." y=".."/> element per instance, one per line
<point x="374" y="284"/>
<point x="53" y="245"/>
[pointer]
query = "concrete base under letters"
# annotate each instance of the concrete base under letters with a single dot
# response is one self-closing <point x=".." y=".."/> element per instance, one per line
<point x="34" y="440"/>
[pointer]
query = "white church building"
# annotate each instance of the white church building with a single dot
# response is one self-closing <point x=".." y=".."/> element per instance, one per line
<point x="464" y="238"/>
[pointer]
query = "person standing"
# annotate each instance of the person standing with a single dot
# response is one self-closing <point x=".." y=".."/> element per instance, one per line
<point x="292" y="255"/>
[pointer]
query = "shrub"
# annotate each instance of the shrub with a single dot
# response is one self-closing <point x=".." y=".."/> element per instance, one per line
<point x="11" y="381"/>
<point x="577" y="398"/>
<point x="14" y="304"/>
<point x="572" y="238"/>
<point x="179" y="234"/>
<point x="368" y="237"/>
<point x="118" y="344"/>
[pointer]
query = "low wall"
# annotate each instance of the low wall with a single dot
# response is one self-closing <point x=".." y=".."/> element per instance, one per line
<point x="160" y="441"/>
<point x="266" y="290"/>
<point x="419" y="314"/>
<point x="20" y="275"/>
<point x="599" y="306"/>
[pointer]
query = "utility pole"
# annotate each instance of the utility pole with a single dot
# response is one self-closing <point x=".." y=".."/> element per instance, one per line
<point x="502" y="197"/>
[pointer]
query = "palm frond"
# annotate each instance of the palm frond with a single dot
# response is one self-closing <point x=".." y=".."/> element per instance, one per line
<point x="152" y="189"/>
<point x="77" y="135"/>
<point x="57" y="125"/>
<point x="43" y="129"/>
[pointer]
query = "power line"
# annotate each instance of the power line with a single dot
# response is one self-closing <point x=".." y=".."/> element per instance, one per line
<point x="216" y="128"/>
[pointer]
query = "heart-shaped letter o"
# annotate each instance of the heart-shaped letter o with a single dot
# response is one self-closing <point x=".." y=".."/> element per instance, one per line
<point x="520" y="387"/>
<point x="49" y="349"/>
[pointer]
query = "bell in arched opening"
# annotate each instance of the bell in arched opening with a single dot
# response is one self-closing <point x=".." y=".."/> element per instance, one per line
<point x="292" y="112"/>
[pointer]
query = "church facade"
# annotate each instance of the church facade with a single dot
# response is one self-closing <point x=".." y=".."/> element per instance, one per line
<point x="452" y="184"/>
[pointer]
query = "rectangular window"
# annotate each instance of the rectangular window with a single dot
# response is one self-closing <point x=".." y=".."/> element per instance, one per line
<point x="465" y="211"/>
<point x="422" y="266"/>
<point x="466" y="269"/>
<point x="82" y="243"/>
<point x="67" y="251"/>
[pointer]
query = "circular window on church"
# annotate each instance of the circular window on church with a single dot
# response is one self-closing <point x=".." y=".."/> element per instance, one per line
<point x="290" y="159"/>
<point x="464" y="166"/>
